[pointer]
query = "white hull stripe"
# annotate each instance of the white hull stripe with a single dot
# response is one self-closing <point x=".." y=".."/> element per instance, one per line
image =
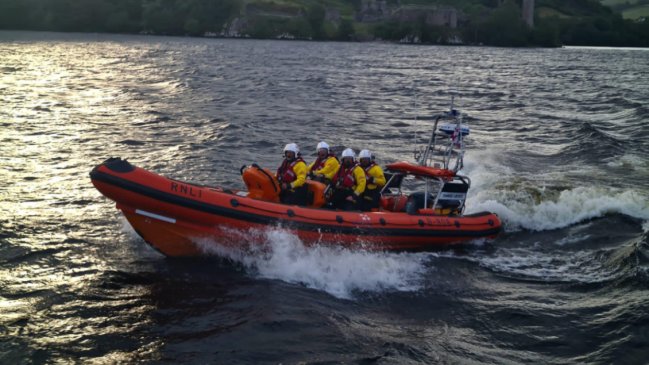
<point x="156" y="216"/>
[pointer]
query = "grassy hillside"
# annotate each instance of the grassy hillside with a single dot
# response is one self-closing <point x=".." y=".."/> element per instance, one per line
<point x="636" y="12"/>
<point x="630" y="9"/>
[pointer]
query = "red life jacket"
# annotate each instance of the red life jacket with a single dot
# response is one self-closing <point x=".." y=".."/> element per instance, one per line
<point x="319" y="163"/>
<point x="285" y="172"/>
<point x="344" y="178"/>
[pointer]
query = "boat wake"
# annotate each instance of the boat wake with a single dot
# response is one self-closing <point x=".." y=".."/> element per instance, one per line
<point x="546" y="202"/>
<point x="628" y="262"/>
<point x="519" y="210"/>
<point x="581" y="267"/>
<point x="278" y="254"/>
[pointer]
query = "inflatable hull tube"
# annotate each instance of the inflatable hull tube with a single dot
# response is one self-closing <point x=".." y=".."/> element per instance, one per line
<point x="418" y="170"/>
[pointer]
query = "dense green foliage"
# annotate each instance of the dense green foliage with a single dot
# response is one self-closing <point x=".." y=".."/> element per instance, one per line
<point x="491" y="22"/>
<point x="587" y="22"/>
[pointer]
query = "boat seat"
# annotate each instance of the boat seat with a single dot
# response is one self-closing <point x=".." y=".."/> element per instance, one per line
<point x="315" y="197"/>
<point x="261" y="183"/>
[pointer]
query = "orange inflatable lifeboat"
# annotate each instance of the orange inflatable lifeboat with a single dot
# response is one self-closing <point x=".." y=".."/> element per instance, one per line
<point x="178" y="218"/>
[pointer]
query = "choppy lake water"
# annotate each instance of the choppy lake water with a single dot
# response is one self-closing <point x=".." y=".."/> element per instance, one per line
<point x="559" y="149"/>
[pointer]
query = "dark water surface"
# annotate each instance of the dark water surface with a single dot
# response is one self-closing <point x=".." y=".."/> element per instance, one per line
<point x="559" y="149"/>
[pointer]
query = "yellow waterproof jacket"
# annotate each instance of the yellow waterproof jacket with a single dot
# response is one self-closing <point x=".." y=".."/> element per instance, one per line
<point x="331" y="166"/>
<point x="294" y="172"/>
<point x="352" y="178"/>
<point x="361" y="181"/>
<point x="300" y="173"/>
<point x="376" y="178"/>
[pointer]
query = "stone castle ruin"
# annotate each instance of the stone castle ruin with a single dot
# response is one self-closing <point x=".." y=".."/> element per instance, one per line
<point x="378" y="10"/>
<point x="528" y="12"/>
<point x="447" y="16"/>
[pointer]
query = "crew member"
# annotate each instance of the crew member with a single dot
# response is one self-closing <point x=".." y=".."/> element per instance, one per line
<point x="292" y="177"/>
<point x="325" y="166"/>
<point x="348" y="183"/>
<point x="375" y="181"/>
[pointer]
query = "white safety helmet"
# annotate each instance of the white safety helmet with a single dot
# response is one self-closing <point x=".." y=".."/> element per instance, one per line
<point x="349" y="153"/>
<point x="322" y="144"/>
<point x="292" y="147"/>
<point x="365" y="154"/>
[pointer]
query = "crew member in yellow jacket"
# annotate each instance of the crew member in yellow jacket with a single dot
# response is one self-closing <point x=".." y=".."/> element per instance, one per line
<point x="375" y="181"/>
<point x="325" y="166"/>
<point x="348" y="183"/>
<point x="292" y="177"/>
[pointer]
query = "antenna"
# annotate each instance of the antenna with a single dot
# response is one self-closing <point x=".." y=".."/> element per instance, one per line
<point x="416" y="152"/>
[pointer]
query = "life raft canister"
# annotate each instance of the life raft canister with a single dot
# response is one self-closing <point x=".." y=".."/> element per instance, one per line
<point x="395" y="203"/>
<point x="261" y="183"/>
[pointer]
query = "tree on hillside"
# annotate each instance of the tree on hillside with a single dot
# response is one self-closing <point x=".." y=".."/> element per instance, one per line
<point x="576" y="7"/>
<point x="14" y="14"/>
<point x="161" y="16"/>
<point x="315" y="15"/>
<point x="345" y="30"/>
<point x="210" y="15"/>
<point x="504" y="27"/>
<point x="546" y="33"/>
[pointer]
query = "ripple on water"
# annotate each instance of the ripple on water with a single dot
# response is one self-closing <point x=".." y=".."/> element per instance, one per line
<point x="554" y="134"/>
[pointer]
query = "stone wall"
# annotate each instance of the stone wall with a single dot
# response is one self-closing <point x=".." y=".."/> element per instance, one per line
<point x="437" y="16"/>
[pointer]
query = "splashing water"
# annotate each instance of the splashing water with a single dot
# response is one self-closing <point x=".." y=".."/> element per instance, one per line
<point x="572" y="206"/>
<point x="522" y="204"/>
<point x="579" y="267"/>
<point x="279" y="254"/>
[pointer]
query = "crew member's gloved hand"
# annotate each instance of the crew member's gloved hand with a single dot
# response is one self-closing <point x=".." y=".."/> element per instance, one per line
<point x="350" y="199"/>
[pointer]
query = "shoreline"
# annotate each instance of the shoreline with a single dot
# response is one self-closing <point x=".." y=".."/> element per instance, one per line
<point x="277" y="39"/>
<point x="568" y="46"/>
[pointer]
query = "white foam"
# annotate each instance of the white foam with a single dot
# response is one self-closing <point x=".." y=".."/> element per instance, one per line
<point x="571" y="206"/>
<point x="578" y="267"/>
<point x="278" y="254"/>
<point x="529" y="205"/>
<point x="629" y="161"/>
<point x="572" y="239"/>
<point x="485" y="172"/>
